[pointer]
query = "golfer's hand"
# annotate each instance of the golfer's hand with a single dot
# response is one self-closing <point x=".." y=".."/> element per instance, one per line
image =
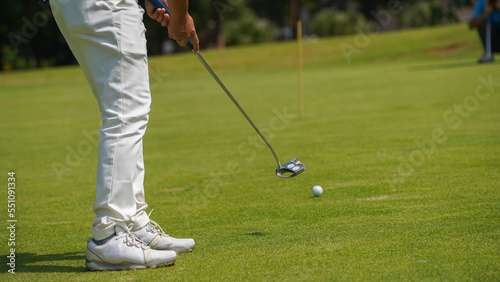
<point x="158" y="14"/>
<point x="181" y="28"/>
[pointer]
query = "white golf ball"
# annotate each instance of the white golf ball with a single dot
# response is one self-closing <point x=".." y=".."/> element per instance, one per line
<point x="317" y="191"/>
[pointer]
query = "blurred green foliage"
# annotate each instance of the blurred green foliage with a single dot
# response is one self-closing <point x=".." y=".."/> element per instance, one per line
<point x="30" y="38"/>
<point x="244" y="27"/>
<point x="427" y="13"/>
<point x="328" y="23"/>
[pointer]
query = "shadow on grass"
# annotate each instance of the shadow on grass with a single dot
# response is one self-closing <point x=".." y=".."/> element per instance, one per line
<point x="445" y="65"/>
<point x="29" y="262"/>
<point x="256" y="234"/>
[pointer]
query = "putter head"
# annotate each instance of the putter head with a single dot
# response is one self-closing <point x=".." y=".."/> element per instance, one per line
<point x="290" y="169"/>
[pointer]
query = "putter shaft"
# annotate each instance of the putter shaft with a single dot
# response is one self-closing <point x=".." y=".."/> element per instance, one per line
<point x="209" y="69"/>
<point x="294" y="166"/>
<point x="159" y="5"/>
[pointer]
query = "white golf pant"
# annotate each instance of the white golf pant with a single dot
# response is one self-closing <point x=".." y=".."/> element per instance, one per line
<point x="108" y="39"/>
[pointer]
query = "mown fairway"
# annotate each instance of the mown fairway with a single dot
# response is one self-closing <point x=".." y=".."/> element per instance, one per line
<point x="407" y="151"/>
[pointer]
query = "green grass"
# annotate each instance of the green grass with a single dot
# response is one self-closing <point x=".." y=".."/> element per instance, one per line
<point x="364" y="123"/>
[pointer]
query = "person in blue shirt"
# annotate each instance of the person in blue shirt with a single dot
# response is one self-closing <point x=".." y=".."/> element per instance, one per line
<point x="486" y="18"/>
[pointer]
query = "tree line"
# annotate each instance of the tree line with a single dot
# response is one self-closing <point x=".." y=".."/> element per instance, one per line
<point x="29" y="37"/>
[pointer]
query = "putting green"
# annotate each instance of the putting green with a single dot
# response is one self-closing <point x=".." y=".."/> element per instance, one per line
<point x="404" y="140"/>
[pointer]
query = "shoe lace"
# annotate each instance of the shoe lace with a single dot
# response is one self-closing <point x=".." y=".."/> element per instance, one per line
<point x="131" y="240"/>
<point x="154" y="227"/>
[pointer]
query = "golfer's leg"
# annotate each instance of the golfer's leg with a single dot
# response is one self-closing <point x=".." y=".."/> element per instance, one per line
<point x="488" y="38"/>
<point x="113" y="55"/>
<point x="73" y="45"/>
<point x="495" y="38"/>
<point x="482" y="34"/>
<point x="140" y="218"/>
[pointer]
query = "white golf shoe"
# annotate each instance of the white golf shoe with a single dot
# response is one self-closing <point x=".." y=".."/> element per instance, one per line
<point x="124" y="251"/>
<point x="154" y="237"/>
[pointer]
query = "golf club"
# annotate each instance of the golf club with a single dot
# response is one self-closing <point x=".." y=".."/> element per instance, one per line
<point x="289" y="169"/>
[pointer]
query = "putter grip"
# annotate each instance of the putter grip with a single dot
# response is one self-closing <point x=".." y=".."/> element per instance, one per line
<point x="159" y="5"/>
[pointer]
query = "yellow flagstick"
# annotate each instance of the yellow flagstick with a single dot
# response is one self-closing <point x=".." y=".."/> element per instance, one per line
<point x="299" y="65"/>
